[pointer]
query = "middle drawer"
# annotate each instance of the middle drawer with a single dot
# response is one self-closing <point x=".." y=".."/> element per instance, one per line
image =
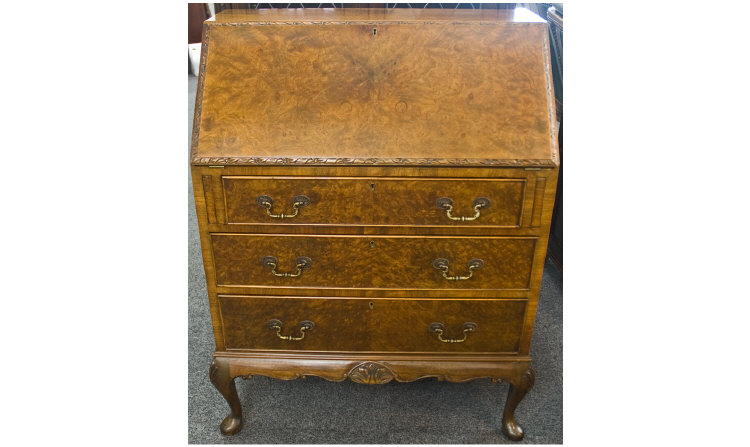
<point x="382" y="262"/>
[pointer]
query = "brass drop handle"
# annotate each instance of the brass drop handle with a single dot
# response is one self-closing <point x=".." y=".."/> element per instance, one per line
<point x="439" y="328"/>
<point x="297" y="203"/>
<point x="303" y="262"/>
<point x="446" y="204"/>
<point x="442" y="264"/>
<point x="306" y="325"/>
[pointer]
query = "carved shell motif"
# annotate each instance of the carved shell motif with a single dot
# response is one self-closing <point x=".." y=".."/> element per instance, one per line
<point x="371" y="373"/>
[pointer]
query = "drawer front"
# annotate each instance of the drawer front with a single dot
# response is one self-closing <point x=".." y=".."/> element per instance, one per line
<point x="387" y="262"/>
<point x="374" y="201"/>
<point x="382" y="325"/>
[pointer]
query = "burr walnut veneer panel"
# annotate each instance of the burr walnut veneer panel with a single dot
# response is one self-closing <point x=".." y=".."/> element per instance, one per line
<point x="342" y="90"/>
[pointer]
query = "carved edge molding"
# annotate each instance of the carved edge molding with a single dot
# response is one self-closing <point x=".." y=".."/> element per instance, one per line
<point x="551" y="163"/>
<point x="366" y="372"/>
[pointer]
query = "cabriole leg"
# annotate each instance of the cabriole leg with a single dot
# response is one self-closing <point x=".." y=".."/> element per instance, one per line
<point x="224" y="382"/>
<point x="518" y="389"/>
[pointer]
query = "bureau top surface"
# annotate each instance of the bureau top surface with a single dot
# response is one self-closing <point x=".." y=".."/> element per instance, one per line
<point x="375" y="87"/>
<point x="276" y="15"/>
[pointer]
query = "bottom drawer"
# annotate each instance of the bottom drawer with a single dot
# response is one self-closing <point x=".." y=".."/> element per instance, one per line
<point x="372" y="324"/>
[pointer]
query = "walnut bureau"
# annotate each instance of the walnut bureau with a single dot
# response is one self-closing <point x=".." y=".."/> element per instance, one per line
<point x="374" y="191"/>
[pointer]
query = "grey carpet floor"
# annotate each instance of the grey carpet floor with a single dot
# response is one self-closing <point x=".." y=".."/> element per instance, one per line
<point x="314" y="411"/>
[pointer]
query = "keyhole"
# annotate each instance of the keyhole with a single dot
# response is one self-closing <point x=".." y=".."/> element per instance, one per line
<point x="372" y="186"/>
<point x="372" y="244"/>
<point x="374" y="31"/>
<point x="372" y="305"/>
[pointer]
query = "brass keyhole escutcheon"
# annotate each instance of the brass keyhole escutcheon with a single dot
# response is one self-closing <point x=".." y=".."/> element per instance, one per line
<point x="372" y="244"/>
<point x="372" y="305"/>
<point x="372" y="186"/>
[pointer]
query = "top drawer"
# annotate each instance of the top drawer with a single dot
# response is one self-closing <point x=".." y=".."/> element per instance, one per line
<point x="374" y="201"/>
